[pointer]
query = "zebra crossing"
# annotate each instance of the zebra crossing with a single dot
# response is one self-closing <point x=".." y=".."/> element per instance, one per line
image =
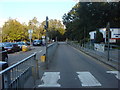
<point x="116" y="73"/>
<point x="86" y="79"/>
<point x="50" y="79"/>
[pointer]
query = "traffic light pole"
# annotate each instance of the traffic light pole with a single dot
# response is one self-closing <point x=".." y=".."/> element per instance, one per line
<point x="46" y="38"/>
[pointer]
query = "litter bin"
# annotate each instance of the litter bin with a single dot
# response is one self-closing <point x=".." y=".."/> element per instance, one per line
<point x="24" y="48"/>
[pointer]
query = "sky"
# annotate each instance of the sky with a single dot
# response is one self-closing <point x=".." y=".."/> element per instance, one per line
<point x="25" y="10"/>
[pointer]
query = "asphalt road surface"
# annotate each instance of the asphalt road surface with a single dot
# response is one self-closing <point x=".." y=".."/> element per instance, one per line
<point x="17" y="56"/>
<point x="70" y="68"/>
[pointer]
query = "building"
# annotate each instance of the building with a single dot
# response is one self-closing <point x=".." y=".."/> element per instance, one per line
<point x="114" y="35"/>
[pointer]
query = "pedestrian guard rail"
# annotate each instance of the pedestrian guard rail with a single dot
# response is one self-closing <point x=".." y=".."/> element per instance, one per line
<point x="2" y="55"/>
<point x="102" y="56"/>
<point x="16" y="76"/>
<point x="51" y="50"/>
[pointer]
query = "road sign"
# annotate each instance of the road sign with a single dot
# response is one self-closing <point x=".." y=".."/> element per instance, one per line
<point x="30" y="31"/>
<point x="43" y="36"/>
<point x="113" y="40"/>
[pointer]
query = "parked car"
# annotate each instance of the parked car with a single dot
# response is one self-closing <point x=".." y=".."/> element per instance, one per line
<point x="15" y="46"/>
<point x="11" y="47"/>
<point x="37" y="42"/>
<point x="20" y="44"/>
<point x="1" y="44"/>
<point x="3" y="54"/>
<point x="8" y="47"/>
<point x="28" y="43"/>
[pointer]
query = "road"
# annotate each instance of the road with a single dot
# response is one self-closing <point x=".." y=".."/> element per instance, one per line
<point x="70" y="68"/>
<point x="17" y="56"/>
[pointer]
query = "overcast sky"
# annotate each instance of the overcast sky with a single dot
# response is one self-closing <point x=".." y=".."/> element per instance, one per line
<point x="25" y="10"/>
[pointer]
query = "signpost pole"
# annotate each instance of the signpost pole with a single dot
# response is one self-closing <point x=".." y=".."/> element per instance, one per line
<point x="108" y="43"/>
<point x="30" y="36"/>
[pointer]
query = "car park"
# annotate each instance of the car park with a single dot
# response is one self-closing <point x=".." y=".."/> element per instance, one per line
<point x="37" y="42"/>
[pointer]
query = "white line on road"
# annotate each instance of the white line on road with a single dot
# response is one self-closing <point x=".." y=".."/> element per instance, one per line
<point x="50" y="79"/>
<point x="40" y="51"/>
<point x="116" y="73"/>
<point x="87" y="79"/>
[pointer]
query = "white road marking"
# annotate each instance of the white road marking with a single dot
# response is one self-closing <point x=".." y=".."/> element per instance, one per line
<point x="116" y="73"/>
<point x="87" y="79"/>
<point x="50" y="79"/>
<point x="35" y="52"/>
<point x="40" y="51"/>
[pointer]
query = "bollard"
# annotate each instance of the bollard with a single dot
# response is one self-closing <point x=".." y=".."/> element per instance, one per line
<point x="42" y="58"/>
<point x="24" y="48"/>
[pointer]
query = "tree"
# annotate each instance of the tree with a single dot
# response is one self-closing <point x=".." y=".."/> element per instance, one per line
<point x="34" y="25"/>
<point x="99" y="37"/>
<point x="55" y="29"/>
<point x="13" y="30"/>
<point x="88" y="16"/>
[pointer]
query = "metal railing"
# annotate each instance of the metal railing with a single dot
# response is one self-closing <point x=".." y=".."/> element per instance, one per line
<point x="102" y="56"/>
<point x="16" y="75"/>
<point x="3" y="56"/>
<point x="51" y="50"/>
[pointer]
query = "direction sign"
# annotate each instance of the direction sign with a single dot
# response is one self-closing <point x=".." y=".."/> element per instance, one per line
<point x="30" y="31"/>
<point x="43" y="36"/>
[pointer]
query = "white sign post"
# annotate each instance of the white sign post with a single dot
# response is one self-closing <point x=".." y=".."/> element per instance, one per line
<point x="30" y="35"/>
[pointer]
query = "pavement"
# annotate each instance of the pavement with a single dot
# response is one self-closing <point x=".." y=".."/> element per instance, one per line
<point x="114" y="60"/>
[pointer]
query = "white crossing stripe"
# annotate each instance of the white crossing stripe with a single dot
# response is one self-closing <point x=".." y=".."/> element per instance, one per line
<point x="116" y="73"/>
<point x="50" y="79"/>
<point x="87" y="79"/>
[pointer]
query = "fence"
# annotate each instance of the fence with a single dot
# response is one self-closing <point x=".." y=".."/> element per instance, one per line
<point x="16" y="75"/>
<point x="3" y="56"/>
<point x="51" y="51"/>
<point x="102" y="55"/>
